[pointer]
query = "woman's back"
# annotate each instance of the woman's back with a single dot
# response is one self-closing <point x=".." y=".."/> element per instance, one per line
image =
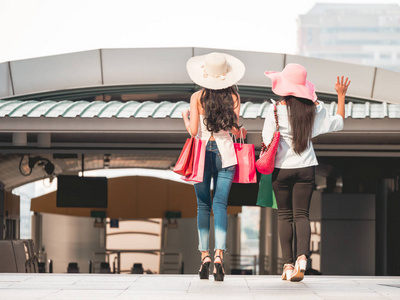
<point x="286" y="157"/>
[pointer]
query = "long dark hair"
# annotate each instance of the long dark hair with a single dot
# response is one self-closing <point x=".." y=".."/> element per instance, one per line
<point x="301" y="114"/>
<point x="219" y="109"/>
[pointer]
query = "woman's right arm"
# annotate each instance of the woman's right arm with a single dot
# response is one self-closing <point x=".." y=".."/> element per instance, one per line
<point x="341" y="89"/>
<point x="192" y="123"/>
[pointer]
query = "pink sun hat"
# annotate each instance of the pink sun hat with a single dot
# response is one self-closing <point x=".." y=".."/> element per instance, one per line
<point x="292" y="81"/>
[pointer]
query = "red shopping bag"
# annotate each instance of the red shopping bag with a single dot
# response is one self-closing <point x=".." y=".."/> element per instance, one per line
<point x="245" y="169"/>
<point x="199" y="155"/>
<point x="184" y="164"/>
<point x="266" y="162"/>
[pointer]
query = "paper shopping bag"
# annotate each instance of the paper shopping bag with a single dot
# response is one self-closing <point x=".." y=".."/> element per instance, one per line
<point x="184" y="164"/>
<point x="199" y="155"/>
<point x="266" y="196"/>
<point x="245" y="168"/>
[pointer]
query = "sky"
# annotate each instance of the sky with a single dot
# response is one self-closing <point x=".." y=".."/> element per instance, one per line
<point x="34" y="28"/>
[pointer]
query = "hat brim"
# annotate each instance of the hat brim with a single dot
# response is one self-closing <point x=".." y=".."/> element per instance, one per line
<point x="195" y="70"/>
<point x="283" y="87"/>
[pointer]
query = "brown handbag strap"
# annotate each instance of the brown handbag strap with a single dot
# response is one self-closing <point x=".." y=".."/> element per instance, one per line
<point x="266" y="147"/>
<point x="276" y="118"/>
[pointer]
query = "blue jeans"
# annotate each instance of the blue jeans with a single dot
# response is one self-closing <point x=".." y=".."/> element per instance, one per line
<point x="222" y="184"/>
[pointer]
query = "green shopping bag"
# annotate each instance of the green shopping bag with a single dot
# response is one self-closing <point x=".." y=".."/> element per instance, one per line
<point x="266" y="196"/>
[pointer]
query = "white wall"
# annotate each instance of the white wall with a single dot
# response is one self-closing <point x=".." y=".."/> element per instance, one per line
<point x="71" y="239"/>
<point x="136" y="235"/>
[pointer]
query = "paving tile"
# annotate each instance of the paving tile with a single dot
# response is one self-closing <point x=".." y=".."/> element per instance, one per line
<point x="279" y="294"/>
<point x="50" y="277"/>
<point x="84" y="294"/>
<point x="130" y="296"/>
<point x="349" y="294"/>
<point x="274" y="284"/>
<point x="333" y="286"/>
<point x="108" y="277"/>
<point x="164" y="278"/>
<point x="100" y="285"/>
<point x="159" y="286"/>
<point x="211" y="286"/>
<point x="25" y="294"/>
<point x="386" y="291"/>
<point x="10" y="278"/>
<point x="228" y="280"/>
<point x="171" y="294"/>
<point x="40" y="285"/>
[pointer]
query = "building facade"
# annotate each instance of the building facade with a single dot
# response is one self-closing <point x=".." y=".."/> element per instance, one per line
<point x="366" y="34"/>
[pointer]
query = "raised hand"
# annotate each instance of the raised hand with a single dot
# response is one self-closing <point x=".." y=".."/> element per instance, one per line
<point x="341" y="85"/>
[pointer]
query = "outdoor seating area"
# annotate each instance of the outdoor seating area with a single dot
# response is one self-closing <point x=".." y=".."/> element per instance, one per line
<point x="18" y="256"/>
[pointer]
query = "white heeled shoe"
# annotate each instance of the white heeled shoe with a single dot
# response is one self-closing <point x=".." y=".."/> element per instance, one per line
<point x="287" y="271"/>
<point x="299" y="268"/>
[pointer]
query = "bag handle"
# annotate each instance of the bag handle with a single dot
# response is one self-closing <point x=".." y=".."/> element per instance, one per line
<point x="241" y="139"/>
<point x="263" y="146"/>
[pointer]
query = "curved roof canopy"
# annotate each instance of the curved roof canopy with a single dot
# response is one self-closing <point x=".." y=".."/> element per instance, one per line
<point x="110" y="68"/>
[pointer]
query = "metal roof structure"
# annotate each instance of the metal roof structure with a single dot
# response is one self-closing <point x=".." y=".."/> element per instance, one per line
<point x="164" y="109"/>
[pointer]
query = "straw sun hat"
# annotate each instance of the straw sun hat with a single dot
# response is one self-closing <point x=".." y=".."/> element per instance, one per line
<point x="292" y="81"/>
<point x="215" y="71"/>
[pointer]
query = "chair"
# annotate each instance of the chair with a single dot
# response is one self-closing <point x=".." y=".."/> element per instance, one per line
<point x="7" y="258"/>
<point x="42" y="267"/>
<point x="32" y="263"/>
<point x="137" y="269"/>
<point x="105" y="268"/>
<point x="20" y="256"/>
<point x="73" y="267"/>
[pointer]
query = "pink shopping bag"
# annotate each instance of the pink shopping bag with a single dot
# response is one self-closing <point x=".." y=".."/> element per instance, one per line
<point x="245" y="169"/>
<point x="199" y="152"/>
<point x="184" y="164"/>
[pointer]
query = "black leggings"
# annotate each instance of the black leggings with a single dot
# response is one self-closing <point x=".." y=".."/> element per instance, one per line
<point x="293" y="189"/>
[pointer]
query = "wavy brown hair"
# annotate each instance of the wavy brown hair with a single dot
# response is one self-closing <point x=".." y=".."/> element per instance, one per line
<point x="301" y="113"/>
<point x="219" y="109"/>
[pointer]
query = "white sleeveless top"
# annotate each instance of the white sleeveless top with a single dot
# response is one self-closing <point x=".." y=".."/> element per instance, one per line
<point x="224" y="143"/>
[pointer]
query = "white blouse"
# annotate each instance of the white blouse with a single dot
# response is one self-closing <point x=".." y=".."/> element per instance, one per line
<point x="224" y="143"/>
<point x="286" y="158"/>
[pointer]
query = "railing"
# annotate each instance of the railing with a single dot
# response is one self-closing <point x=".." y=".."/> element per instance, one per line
<point x="241" y="264"/>
<point x="118" y="252"/>
<point x="171" y="262"/>
<point x="272" y="267"/>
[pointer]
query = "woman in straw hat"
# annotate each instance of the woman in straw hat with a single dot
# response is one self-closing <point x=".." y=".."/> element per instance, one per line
<point x="214" y="111"/>
<point x="301" y="117"/>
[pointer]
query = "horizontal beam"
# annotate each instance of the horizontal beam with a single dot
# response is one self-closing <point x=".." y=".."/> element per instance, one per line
<point x="167" y="125"/>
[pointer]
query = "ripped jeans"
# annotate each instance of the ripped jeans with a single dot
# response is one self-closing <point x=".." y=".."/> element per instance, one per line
<point x="222" y="178"/>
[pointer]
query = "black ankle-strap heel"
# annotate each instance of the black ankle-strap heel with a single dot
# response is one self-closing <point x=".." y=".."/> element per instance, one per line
<point x="219" y="268"/>
<point x="205" y="268"/>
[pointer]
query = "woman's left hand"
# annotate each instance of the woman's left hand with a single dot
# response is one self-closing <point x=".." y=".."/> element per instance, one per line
<point x="241" y="133"/>
<point x="341" y="85"/>
<point x="186" y="113"/>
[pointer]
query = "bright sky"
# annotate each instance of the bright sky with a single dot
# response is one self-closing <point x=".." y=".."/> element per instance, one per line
<point x="32" y="28"/>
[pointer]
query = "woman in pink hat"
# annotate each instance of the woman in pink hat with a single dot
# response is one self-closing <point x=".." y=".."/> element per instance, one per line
<point x="301" y="117"/>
